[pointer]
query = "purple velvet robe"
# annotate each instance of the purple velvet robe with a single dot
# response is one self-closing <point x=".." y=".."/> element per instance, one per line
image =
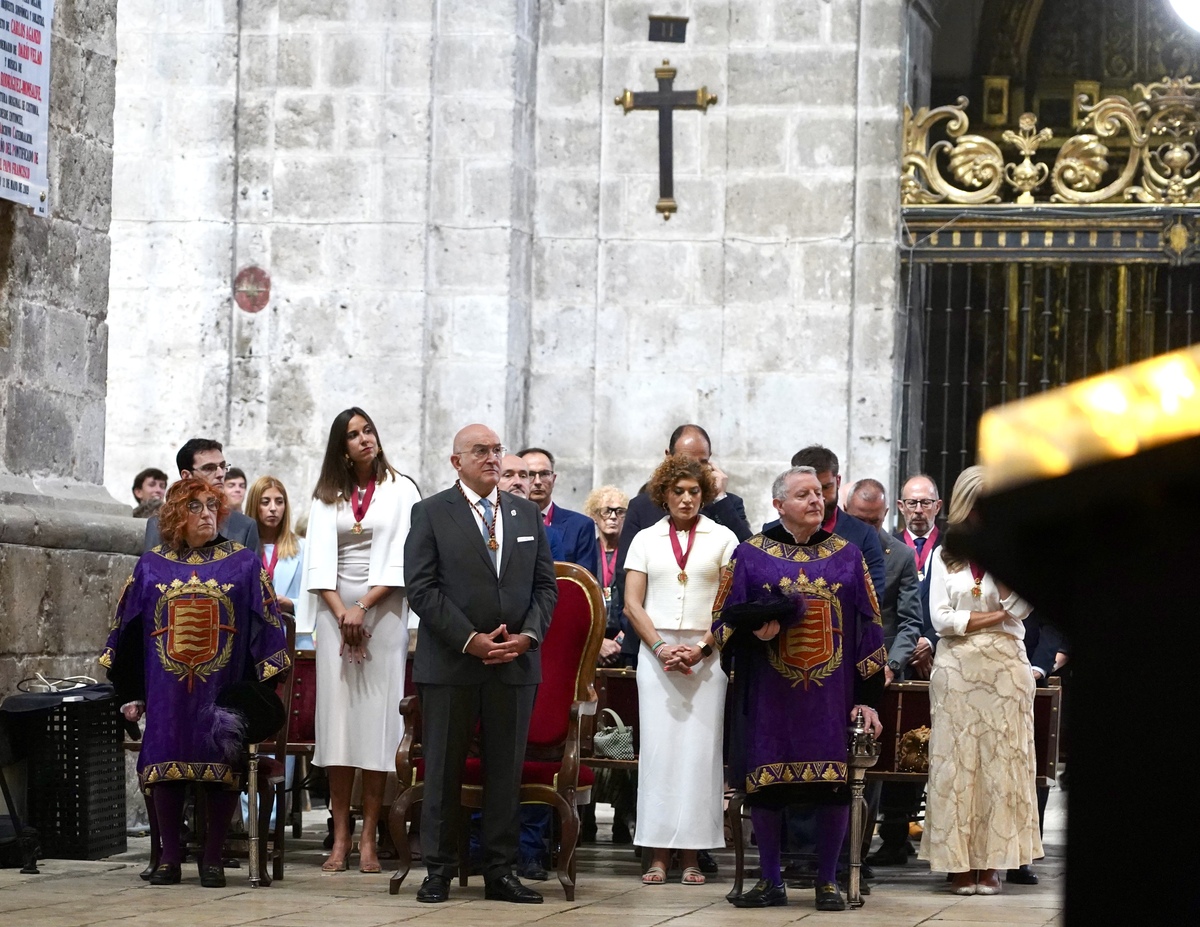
<point x="185" y="629"/>
<point x="792" y="696"/>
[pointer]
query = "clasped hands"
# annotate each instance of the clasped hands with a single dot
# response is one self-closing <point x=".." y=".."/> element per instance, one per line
<point x="354" y="634"/>
<point x="679" y="658"/>
<point x="498" y="646"/>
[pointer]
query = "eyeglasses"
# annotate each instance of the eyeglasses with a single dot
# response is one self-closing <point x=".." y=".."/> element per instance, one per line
<point x="213" y="467"/>
<point x="919" y="503"/>
<point x="540" y="474"/>
<point x="196" y="506"/>
<point x="612" y="512"/>
<point x="484" y="451"/>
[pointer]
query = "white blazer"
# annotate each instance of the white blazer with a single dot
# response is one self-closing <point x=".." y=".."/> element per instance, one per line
<point x="392" y="505"/>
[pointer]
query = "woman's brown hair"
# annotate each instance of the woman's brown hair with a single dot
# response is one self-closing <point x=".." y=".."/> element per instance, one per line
<point x="337" y="470"/>
<point x="285" y="542"/>
<point x="676" y="468"/>
<point x="172" y="516"/>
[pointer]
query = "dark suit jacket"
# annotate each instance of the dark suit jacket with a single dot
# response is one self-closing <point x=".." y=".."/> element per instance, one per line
<point x="237" y="527"/>
<point x="1043" y="641"/>
<point x="900" y="604"/>
<point x="927" y="630"/>
<point x="452" y="585"/>
<point x="572" y="538"/>
<point x="862" y="536"/>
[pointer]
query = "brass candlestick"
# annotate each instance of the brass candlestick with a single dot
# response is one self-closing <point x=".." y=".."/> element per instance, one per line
<point x="864" y="753"/>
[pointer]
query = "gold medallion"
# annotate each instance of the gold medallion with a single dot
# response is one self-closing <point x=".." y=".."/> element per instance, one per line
<point x="357" y="529"/>
<point x="682" y="577"/>
<point x="493" y="544"/>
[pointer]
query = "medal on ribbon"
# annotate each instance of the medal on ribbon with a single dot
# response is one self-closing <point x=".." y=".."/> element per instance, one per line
<point x="360" y="507"/>
<point x="681" y="555"/>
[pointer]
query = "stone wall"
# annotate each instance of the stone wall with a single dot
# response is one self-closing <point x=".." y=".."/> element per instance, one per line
<point x="459" y="225"/>
<point x="64" y="543"/>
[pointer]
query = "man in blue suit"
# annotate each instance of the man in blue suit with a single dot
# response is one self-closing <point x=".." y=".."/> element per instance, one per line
<point x="845" y="526"/>
<point x="572" y="535"/>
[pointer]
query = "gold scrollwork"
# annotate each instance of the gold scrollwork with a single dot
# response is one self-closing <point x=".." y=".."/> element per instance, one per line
<point x="975" y="162"/>
<point x="1145" y="150"/>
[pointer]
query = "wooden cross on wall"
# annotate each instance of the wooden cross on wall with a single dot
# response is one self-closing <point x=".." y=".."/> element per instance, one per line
<point x="666" y="100"/>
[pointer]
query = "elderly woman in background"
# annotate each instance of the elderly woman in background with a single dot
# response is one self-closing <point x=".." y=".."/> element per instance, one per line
<point x="195" y="622"/>
<point x="354" y="572"/>
<point x="280" y="548"/>
<point x="606" y="506"/>
<point x="981" y="801"/>
<point x="672" y="572"/>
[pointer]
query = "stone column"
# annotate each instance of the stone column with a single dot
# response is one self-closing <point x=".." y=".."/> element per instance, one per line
<point x="480" y="224"/>
<point x="65" y="545"/>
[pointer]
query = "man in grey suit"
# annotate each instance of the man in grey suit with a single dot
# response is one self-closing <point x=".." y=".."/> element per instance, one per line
<point x="478" y="570"/>
<point x="204" y="459"/>
<point x="900" y="609"/>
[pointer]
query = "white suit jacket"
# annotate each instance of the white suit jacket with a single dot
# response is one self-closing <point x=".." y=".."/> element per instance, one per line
<point x="391" y="507"/>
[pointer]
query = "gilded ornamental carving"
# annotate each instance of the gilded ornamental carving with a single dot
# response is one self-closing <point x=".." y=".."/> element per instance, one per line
<point x="1140" y="151"/>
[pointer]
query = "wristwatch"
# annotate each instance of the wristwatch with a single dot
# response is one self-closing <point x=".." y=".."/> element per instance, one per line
<point x="706" y="650"/>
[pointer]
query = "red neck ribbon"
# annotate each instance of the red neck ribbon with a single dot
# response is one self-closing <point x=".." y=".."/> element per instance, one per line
<point x="976" y="573"/>
<point x="360" y="509"/>
<point x="923" y="556"/>
<point x="681" y="555"/>
<point x="608" y="565"/>
<point x="269" y="566"/>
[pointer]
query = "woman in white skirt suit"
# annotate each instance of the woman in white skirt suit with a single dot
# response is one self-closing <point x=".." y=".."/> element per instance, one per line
<point x="672" y="573"/>
<point x="354" y="574"/>
<point x="981" y="811"/>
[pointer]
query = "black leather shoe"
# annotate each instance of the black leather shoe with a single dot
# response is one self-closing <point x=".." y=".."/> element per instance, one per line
<point x="166" y="874"/>
<point x="1023" y="876"/>
<point x="212" y="876"/>
<point x="145" y="874"/>
<point x="829" y="898"/>
<point x="532" y="870"/>
<point x="889" y="856"/>
<point x="434" y="889"/>
<point x="509" y="888"/>
<point x="705" y="862"/>
<point x="763" y="895"/>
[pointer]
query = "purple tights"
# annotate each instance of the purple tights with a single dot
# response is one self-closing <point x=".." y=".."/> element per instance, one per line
<point x="832" y="821"/>
<point x="168" y="800"/>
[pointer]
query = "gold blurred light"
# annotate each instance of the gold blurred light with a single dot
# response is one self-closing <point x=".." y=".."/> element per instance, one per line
<point x="1116" y="414"/>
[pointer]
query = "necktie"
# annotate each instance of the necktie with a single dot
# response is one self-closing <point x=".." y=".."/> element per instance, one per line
<point x="546" y="515"/>
<point x="920" y="542"/>
<point x="486" y="505"/>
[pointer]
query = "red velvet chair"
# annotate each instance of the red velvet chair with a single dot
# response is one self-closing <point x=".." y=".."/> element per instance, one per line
<point x="552" y="772"/>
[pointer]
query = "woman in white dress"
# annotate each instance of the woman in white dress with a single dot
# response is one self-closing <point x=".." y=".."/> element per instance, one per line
<point x="981" y="811"/>
<point x="672" y="573"/>
<point x="354" y="572"/>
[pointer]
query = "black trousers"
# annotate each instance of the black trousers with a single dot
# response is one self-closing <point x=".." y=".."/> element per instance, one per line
<point x="449" y="715"/>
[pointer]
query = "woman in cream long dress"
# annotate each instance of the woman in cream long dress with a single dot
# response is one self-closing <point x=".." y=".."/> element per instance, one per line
<point x="354" y="574"/>
<point x="981" y="800"/>
<point x="681" y="686"/>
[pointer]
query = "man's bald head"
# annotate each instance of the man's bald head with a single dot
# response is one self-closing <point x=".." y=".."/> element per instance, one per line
<point x="919" y="504"/>
<point x="868" y="502"/>
<point x="476" y="456"/>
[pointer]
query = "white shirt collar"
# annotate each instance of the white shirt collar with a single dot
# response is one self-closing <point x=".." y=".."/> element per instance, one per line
<point x="474" y="497"/>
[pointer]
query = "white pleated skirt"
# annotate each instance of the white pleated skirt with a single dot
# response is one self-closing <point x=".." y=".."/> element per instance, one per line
<point x="680" y="781"/>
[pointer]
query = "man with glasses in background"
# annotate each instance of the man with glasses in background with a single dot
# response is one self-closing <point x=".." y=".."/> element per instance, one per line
<point x="572" y="534"/>
<point x="203" y="458"/>
<point x="919" y="505"/>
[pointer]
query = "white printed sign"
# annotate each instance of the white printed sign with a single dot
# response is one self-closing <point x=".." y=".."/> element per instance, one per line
<point x="25" y="101"/>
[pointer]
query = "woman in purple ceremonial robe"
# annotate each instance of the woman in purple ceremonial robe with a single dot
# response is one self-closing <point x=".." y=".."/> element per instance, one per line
<point x="196" y="626"/>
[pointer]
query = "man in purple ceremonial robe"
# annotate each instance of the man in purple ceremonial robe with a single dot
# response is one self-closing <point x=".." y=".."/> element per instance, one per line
<point x="798" y="625"/>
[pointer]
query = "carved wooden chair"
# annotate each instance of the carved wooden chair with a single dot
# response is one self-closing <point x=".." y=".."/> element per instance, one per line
<point x="552" y="773"/>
